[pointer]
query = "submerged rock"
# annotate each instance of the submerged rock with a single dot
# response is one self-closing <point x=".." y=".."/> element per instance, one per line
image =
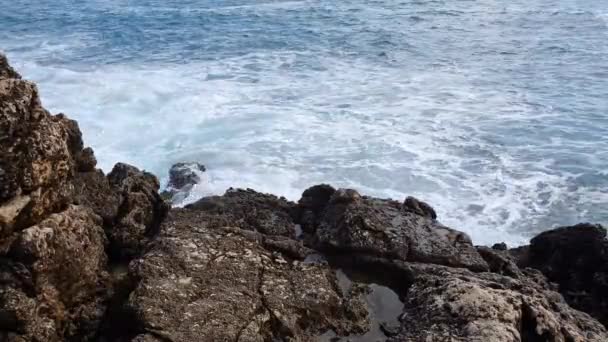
<point x="183" y="177"/>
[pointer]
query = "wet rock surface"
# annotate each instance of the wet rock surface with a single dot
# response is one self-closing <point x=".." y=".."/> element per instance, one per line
<point x="90" y="257"/>
<point x="183" y="177"/>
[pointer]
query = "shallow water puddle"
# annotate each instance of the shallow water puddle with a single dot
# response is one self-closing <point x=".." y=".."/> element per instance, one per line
<point x="384" y="308"/>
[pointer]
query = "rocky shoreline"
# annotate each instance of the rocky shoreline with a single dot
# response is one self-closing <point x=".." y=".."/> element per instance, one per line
<point x="86" y="256"/>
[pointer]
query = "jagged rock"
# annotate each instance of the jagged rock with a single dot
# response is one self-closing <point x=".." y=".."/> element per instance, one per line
<point x="418" y="207"/>
<point x="185" y="174"/>
<point x="54" y="287"/>
<point x="38" y="158"/>
<point x="202" y="282"/>
<point x="454" y="304"/>
<point x="311" y="205"/>
<point x="250" y="210"/>
<point x="354" y="224"/>
<point x="140" y="212"/>
<point x="499" y="261"/>
<point x="92" y="189"/>
<point x="576" y="258"/>
<point x="183" y="177"/>
<point x="6" y="71"/>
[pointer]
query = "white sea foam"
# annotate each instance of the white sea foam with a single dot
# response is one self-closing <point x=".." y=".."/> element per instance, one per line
<point x="496" y="160"/>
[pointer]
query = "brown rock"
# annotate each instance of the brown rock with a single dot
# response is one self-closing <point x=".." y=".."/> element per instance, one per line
<point x="37" y="159"/>
<point x="450" y="304"/>
<point x="203" y="283"/>
<point x="250" y="210"/>
<point x="354" y="224"/>
<point x="5" y="69"/>
<point x="140" y="212"/>
<point x="57" y="280"/>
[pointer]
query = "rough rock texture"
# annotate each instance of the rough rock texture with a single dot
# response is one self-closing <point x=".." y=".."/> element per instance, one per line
<point x="250" y="210"/>
<point x="56" y="215"/>
<point x="140" y="212"/>
<point x="576" y="258"/>
<point x="182" y="178"/>
<point x="355" y="224"/>
<point x="203" y="282"/>
<point x="37" y="160"/>
<point x="452" y="304"/>
<point x="55" y="280"/>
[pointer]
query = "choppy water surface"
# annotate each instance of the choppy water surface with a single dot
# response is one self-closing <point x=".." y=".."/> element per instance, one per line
<point x="496" y="112"/>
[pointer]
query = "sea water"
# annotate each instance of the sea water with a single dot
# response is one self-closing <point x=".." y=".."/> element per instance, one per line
<point x="495" y="112"/>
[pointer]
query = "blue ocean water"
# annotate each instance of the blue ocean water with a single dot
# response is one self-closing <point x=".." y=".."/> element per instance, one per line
<point x="495" y="112"/>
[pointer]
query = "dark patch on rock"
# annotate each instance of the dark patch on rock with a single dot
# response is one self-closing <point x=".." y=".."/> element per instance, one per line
<point x="311" y="205"/>
<point x="499" y="261"/>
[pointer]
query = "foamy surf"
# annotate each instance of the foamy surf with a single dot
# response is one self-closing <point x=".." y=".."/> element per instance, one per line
<point x="503" y="133"/>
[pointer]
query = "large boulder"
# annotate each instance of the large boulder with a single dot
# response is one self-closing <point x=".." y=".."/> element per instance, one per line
<point x="576" y="258"/>
<point x="203" y="281"/>
<point x="351" y="223"/>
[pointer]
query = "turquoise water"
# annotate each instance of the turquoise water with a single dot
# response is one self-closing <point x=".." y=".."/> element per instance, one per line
<point x="495" y="112"/>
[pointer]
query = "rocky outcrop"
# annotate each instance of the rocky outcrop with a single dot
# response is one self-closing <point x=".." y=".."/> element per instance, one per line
<point x="454" y="304"/>
<point x="183" y="177"/>
<point x="208" y="281"/>
<point x="59" y="220"/>
<point x="351" y="223"/>
<point x="576" y="258"/>
<point x="90" y="257"/>
<point x="56" y="278"/>
<point x="250" y="210"/>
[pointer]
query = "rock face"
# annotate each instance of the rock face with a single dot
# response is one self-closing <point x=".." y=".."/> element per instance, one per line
<point x="576" y="258"/>
<point x="350" y="223"/>
<point x="52" y="290"/>
<point x="223" y="283"/>
<point x="60" y="220"/>
<point x="90" y="257"/>
<point x="453" y="304"/>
